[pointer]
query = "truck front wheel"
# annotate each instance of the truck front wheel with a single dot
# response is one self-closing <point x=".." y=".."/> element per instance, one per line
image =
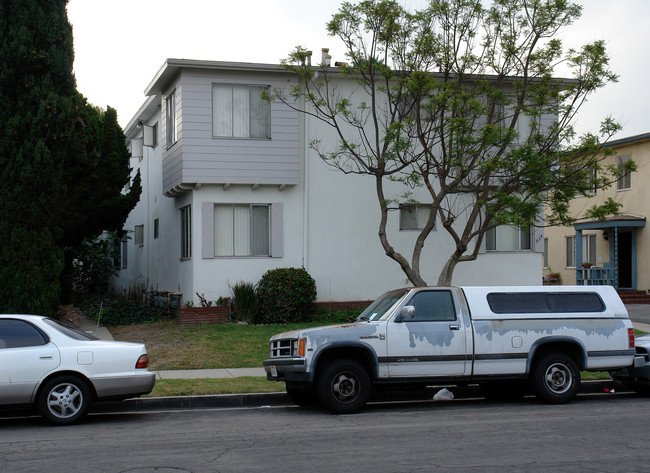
<point x="343" y="387"/>
<point x="555" y="378"/>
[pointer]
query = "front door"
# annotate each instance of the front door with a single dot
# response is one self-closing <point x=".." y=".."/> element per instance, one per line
<point x="432" y="344"/>
<point x="624" y="264"/>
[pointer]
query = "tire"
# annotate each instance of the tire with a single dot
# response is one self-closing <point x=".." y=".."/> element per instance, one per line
<point x="301" y="396"/>
<point x="343" y="387"/>
<point x="64" y="400"/>
<point x="555" y="378"/>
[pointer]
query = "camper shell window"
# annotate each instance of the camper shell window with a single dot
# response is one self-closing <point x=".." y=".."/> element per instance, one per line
<point x="543" y="302"/>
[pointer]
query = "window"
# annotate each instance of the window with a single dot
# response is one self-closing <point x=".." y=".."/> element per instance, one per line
<point x="156" y="229"/>
<point x="546" y="252"/>
<point x="413" y="216"/>
<point x="242" y="230"/>
<point x="542" y="302"/>
<point x="186" y="232"/>
<point x="170" y="108"/>
<point x="625" y="181"/>
<point x="433" y="306"/>
<point x="588" y="250"/>
<point x="17" y="333"/>
<point x="139" y="235"/>
<point x="124" y="255"/>
<point x="240" y="112"/>
<point x="154" y="135"/>
<point x="507" y="238"/>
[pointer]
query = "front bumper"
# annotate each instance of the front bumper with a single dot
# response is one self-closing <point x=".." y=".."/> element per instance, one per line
<point x="286" y="369"/>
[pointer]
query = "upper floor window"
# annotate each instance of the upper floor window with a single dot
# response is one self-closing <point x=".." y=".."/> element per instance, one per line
<point x="242" y="230"/>
<point x="139" y="235"/>
<point x="507" y="238"/>
<point x="238" y="111"/>
<point x="625" y="181"/>
<point x="170" y="110"/>
<point x="413" y="217"/>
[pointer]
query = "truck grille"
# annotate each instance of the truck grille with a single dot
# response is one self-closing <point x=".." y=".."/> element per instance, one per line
<point x="281" y="348"/>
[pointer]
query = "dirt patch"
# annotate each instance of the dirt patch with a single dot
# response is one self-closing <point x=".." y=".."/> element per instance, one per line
<point x="69" y="314"/>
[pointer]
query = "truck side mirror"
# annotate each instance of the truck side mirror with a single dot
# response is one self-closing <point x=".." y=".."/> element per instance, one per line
<point x="407" y="313"/>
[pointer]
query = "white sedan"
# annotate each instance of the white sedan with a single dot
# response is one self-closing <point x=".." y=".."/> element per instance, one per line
<point x="61" y="370"/>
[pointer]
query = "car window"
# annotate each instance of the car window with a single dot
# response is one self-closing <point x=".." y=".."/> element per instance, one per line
<point x="69" y="331"/>
<point x="433" y="305"/>
<point x="18" y="333"/>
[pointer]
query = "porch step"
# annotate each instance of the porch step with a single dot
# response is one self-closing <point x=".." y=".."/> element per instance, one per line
<point x="634" y="297"/>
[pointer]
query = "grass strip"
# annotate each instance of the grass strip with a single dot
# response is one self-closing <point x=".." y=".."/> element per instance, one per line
<point x="203" y="386"/>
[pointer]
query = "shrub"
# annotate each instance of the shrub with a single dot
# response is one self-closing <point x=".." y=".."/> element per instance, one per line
<point x="336" y="316"/>
<point x="244" y="297"/>
<point x="125" y="312"/>
<point x="285" y="295"/>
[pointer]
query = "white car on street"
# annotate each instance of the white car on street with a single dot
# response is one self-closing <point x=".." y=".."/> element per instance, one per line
<point x="61" y="370"/>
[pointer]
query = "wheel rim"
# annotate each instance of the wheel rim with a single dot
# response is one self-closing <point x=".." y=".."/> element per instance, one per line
<point x="65" y="400"/>
<point x="345" y="387"/>
<point x="558" y="378"/>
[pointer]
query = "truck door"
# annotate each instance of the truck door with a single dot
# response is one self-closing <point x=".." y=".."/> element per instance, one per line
<point x="432" y="343"/>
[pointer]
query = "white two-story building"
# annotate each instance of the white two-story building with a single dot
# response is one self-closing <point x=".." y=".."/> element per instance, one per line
<point x="231" y="189"/>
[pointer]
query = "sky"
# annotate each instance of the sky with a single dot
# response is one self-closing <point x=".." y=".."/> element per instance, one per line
<point x="120" y="45"/>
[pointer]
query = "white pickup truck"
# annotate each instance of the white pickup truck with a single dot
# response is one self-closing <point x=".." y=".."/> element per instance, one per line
<point x="536" y="338"/>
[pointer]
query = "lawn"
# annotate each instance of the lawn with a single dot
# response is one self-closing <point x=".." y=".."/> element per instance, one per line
<point x="173" y="347"/>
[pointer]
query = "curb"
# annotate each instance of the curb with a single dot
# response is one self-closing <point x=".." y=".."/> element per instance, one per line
<point x="259" y="400"/>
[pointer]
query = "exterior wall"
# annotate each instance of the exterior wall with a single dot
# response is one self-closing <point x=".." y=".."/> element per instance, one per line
<point x="198" y="157"/>
<point x="329" y="220"/>
<point x="634" y="202"/>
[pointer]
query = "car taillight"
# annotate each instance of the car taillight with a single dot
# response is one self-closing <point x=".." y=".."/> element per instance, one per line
<point x="630" y="332"/>
<point x="143" y="362"/>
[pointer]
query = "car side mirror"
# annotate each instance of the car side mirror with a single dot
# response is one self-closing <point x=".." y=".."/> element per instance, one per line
<point x="407" y="313"/>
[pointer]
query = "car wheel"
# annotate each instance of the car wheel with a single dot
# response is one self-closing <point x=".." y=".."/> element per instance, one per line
<point x="343" y="387"/>
<point x="64" y="400"/>
<point x="301" y="396"/>
<point x="555" y="378"/>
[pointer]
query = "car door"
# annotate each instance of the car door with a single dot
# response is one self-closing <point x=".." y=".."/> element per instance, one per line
<point x="26" y="355"/>
<point x="433" y="342"/>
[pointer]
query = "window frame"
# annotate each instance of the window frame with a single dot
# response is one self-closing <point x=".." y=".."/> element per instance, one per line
<point x="249" y="228"/>
<point x="424" y="215"/>
<point x="138" y="235"/>
<point x="624" y="182"/>
<point x="186" y="232"/>
<point x="495" y="237"/>
<point x="251" y="116"/>
<point x="170" y="119"/>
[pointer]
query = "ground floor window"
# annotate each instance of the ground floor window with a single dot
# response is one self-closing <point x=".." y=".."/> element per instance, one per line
<point x="186" y="232"/>
<point x="242" y="230"/>
<point x="588" y="250"/>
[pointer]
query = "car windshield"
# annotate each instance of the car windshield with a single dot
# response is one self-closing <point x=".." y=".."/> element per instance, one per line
<point x="69" y="331"/>
<point x="382" y="305"/>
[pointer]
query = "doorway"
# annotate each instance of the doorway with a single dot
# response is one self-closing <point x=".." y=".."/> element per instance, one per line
<point x="624" y="260"/>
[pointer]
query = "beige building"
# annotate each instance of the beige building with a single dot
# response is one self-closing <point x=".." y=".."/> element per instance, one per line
<point x="617" y="250"/>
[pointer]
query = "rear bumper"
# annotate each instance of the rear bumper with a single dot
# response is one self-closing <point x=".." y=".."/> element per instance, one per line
<point x="124" y="387"/>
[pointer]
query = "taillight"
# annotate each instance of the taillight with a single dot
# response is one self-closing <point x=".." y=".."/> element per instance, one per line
<point x="630" y="332"/>
<point x="143" y="362"/>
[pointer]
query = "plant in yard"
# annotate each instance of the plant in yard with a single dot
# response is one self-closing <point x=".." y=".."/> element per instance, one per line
<point x="285" y="295"/>
<point x="244" y="296"/>
<point x="189" y="303"/>
<point x="203" y="301"/>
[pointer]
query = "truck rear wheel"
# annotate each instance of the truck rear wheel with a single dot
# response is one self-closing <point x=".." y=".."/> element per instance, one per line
<point x="343" y="387"/>
<point x="555" y="378"/>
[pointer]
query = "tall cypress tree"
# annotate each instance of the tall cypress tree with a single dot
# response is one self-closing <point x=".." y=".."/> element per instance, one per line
<point x="39" y="128"/>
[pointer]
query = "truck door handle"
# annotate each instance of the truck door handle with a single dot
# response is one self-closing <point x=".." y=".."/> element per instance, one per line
<point x="46" y="357"/>
<point x="454" y="327"/>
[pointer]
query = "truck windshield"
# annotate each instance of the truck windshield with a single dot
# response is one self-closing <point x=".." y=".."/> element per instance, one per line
<point x="382" y="305"/>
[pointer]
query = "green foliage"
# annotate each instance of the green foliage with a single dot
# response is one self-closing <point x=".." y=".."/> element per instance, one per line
<point x="93" y="262"/>
<point x="285" y="295"/>
<point x="125" y="312"/>
<point x="244" y="295"/>
<point x="323" y="316"/>
<point x="37" y="134"/>
<point x="459" y="98"/>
